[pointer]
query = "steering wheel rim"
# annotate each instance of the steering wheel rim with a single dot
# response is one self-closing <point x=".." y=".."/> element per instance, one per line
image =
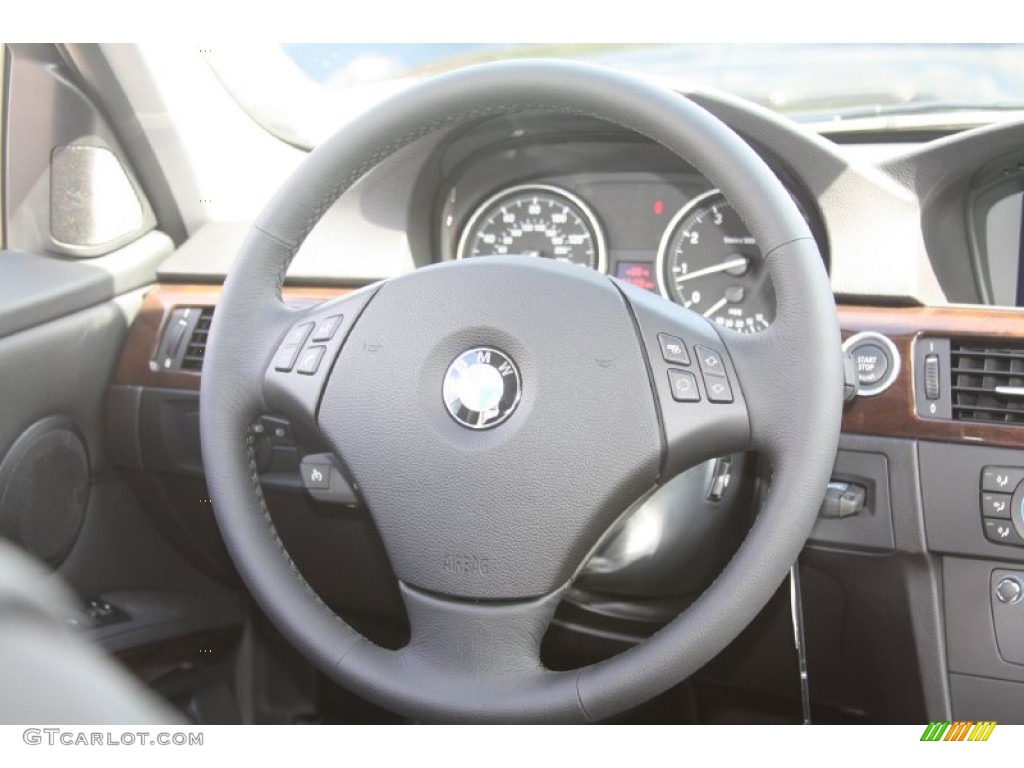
<point x="473" y="656"/>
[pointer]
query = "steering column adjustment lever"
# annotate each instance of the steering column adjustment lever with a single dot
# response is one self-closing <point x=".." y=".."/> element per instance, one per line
<point x="843" y="499"/>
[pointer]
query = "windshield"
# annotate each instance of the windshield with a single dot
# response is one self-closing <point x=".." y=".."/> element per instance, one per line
<point x="304" y="92"/>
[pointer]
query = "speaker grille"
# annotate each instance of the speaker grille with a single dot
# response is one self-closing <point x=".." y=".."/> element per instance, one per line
<point x="92" y="200"/>
<point x="44" y="489"/>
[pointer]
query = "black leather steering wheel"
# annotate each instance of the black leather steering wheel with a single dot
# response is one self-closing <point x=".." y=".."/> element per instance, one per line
<point x="486" y="527"/>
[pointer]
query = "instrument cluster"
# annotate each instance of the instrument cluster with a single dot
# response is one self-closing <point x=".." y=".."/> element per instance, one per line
<point x="668" y="232"/>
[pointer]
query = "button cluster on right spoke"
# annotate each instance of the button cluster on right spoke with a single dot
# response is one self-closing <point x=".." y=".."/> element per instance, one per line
<point x="683" y="382"/>
<point x="712" y="368"/>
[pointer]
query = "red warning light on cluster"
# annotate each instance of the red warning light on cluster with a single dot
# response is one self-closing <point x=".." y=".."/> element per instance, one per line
<point x="659" y="207"/>
<point x="639" y="273"/>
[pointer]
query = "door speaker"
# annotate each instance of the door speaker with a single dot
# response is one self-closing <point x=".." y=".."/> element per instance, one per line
<point x="44" y="489"/>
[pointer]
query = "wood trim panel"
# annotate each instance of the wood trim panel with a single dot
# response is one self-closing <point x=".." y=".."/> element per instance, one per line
<point x="144" y="334"/>
<point x="892" y="414"/>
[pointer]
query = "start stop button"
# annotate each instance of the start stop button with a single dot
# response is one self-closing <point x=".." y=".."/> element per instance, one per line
<point x="871" y="362"/>
<point x="875" y="359"/>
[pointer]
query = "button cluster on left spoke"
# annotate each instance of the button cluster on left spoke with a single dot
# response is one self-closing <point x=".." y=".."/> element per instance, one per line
<point x="309" y="360"/>
<point x="303" y="359"/>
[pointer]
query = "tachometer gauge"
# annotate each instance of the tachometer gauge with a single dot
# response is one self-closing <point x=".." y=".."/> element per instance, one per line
<point x="535" y="220"/>
<point x="709" y="262"/>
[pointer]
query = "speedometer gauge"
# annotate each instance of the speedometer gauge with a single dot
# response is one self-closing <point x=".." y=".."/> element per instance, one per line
<point x="535" y="220"/>
<point x="709" y="262"/>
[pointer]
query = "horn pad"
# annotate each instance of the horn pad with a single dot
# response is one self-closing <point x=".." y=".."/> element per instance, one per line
<point x="514" y="397"/>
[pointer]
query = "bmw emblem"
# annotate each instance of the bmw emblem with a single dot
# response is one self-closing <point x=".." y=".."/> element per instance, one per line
<point x="481" y="388"/>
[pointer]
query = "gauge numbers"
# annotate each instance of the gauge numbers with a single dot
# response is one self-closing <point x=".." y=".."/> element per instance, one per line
<point x="535" y="220"/>
<point x="709" y="262"/>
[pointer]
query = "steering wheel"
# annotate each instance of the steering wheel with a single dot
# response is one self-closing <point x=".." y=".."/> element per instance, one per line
<point x="498" y="415"/>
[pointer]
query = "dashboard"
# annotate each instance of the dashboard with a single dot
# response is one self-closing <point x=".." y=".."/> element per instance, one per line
<point x="921" y="236"/>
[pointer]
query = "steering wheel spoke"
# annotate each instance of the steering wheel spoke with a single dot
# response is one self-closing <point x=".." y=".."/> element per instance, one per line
<point x="698" y="390"/>
<point x="483" y="659"/>
<point x="308" y="343"/>
<point x="790" y="386"/>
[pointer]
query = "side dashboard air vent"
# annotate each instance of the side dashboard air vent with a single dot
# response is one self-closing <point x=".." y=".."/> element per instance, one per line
<point x="987" y="382"/>
<point x="195" y="351"/>
<point x="183" y="343"/>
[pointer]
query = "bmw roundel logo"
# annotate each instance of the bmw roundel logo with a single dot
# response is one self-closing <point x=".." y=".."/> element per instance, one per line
<point x="481" y="388"/>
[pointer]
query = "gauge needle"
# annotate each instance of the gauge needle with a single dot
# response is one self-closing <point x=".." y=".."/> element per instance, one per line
<point x="716" y="306"/>
<point x="737" y="262"/>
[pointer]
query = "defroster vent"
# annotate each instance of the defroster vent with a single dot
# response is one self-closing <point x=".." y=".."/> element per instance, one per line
<point x="987" y="382"/>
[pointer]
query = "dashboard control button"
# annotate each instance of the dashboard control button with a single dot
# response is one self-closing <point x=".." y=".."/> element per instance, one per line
<point x="996" y="505"/>
<point x="673" y="350"/>
<point x="1001" y="479"/>
<point x="872" y="363"/>
<point x="1009" y="590"/>
<point x="174" y="335"/>
<point x="1001" y="531"/>
<point x="853" y="500"/>
<point x="298" y="335"/>
<point x="720" y="478"/>
<point x="876" y="362"/>
<point x="850" y="381"/>
<point x="101" y="613"/>
<point x="310" y="360"/>
<point x="931" y="377"/>
<point x="280" y="430"/>
<point x="718" y="389"/>
<point x="316" y="475"/>
<point x="326" y="329"/>
<point x="830" y="504"/>
<point x="710" y="361"/>
<point x="683" y="385"/>
<point x="285" y="359"/>
<point x="324" y="480"/>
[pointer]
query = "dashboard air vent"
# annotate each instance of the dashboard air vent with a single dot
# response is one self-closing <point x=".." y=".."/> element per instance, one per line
<point x="988" y="383"/>
<point x="192" y="360"/>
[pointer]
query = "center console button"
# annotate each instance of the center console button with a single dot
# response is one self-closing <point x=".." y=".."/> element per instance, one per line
<point x="1001" y="531"/>
<point x="996" y="505"/>
<point x="1001" y="479"/>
